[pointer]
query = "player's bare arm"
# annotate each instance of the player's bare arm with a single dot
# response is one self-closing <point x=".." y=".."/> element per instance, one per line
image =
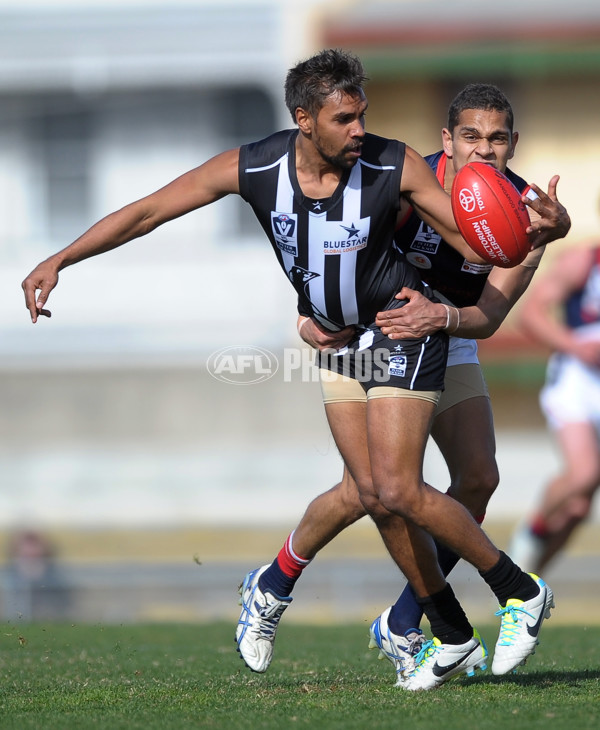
<point x="567" y="274"/>
<point x="550" y="220"/>
<point x="321" y="339"/>
<point x="501" y="292"/>
<point x="214" y="179"/>
<point x="420" y="316"/>
<point x="432" y="204"/>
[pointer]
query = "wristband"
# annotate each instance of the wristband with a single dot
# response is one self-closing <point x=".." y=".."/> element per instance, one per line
<point x="301" y="325"/>
<point x="447" y="308"/>
<point x="448" y="317"/>
<point x="457" y="319"/>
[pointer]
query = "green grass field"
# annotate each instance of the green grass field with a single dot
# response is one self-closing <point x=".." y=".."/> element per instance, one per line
<point x="189" y="676"/>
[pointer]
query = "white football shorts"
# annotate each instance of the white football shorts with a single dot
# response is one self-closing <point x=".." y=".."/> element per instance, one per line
<point x="571" y="393"/>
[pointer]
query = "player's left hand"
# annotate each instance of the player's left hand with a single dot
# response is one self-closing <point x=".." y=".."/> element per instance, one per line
<point x="552" y="220"/>
<point x="321" y="339"/>
<point x="417" y="318"/>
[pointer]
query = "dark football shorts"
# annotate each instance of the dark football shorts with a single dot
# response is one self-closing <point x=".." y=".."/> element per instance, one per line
<point x="374" y="360"/>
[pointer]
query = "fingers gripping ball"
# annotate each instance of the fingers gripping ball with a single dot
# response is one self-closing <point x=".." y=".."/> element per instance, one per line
<point x="489" y="214"/>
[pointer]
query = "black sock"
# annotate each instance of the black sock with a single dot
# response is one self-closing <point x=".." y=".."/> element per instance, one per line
<point x="406" y="613"/>
<point x="445" y="614"/>
<point x="276" y="581"/>
<point x="507" y="580"/>
<point x="446" y="558"/>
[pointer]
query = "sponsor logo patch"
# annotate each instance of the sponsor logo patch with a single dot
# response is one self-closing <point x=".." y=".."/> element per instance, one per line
<point x="470" y="268"/>
<point x="397" y="365"/>
<point x="285" y="231"/>
<point x="419" y="260"/>
<point x="341" y="238"/>
<point x="427" y="239"/>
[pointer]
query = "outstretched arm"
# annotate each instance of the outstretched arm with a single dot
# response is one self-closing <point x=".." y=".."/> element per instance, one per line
<point x="205" y="184"/>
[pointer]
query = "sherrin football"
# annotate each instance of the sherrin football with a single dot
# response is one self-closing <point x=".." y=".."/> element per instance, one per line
<point x="489" y="214"/>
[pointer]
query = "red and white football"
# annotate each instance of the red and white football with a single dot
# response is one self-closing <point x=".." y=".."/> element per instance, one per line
<point x="489" y="214"/>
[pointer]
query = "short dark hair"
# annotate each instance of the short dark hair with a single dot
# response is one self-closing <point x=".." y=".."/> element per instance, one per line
<point x="479" y="96"/>
<point x="310" y="82"/>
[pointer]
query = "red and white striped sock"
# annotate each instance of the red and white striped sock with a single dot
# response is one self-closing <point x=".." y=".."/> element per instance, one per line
<point x="281" y="576"/>
<point x="290" y="563"/>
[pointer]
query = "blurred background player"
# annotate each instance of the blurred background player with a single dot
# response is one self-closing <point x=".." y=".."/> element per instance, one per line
<point x="562" y="311"/>
<point x="33" y="587"/>
<point x="480" y="128"/>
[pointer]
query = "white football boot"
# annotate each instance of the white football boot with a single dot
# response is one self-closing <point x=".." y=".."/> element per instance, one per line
<point x="400" y="650"/>
<point x="436" y="663"/>
<point x="258" y="622"/>
<point x="520" y="627"/>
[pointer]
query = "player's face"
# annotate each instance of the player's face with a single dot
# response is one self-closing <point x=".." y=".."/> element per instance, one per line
<point x="480" y="136"/>
<point x="339" y="129"/>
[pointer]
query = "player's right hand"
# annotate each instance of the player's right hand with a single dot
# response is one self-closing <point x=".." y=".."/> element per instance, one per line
<point x="321" y="339"/>
<point x="552" y="221"/>
<point x="43" y="279"/>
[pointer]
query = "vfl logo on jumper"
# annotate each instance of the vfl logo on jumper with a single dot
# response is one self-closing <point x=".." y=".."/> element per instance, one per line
<point x="426" y="240"/>
<point x="426" y="243"/>
<point x="355" y="237"/>
<point x="285" y="232"/>
<point x="242" y="365"/>
<point x="397" y="363"/>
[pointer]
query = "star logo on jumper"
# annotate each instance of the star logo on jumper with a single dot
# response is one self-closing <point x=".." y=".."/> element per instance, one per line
<point x="342" y="236"/>
<point x="317" y="205"/>
<point x="398" y="348"/>
<point x="352" y="231"/>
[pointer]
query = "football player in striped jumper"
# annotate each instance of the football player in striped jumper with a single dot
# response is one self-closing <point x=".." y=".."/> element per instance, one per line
<point x="327" y="195"/>
<point x="479" y="128"/>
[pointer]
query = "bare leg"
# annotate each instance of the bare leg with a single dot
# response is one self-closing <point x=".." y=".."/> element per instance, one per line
<point x="464" y="434"/>
<point x="326" y="516"/>
<point x="465" y="437"/>
<point x="568" y="498"/>
<point x="396" y="429"/>
<point x="412" y="550"/>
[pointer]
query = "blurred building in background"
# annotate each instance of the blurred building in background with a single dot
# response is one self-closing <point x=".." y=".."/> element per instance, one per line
<point x="104" y="102"/>
<point x="110" y="418"/>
